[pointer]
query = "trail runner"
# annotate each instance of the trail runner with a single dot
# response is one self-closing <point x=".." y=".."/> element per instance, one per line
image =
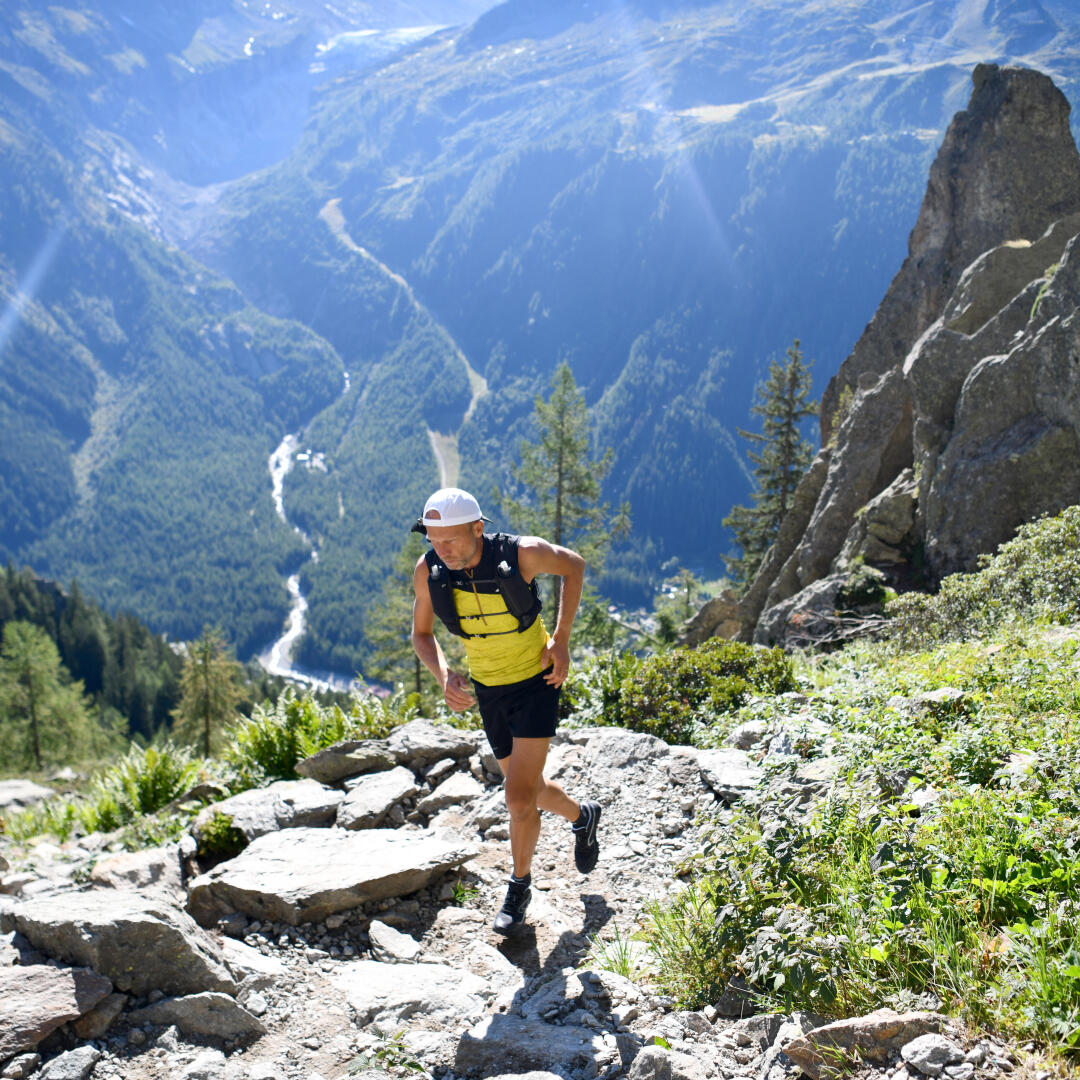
<point x="482" y="586"/>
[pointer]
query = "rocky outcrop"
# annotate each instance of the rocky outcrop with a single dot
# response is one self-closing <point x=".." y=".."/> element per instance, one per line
<point x="139" y="943"/>
<point x="34" y="1000"/>
<point x="956" y="418"/>
<point x="412" y="973"/>
<point x="718" y="617"/>
<point x="303" y="875"/>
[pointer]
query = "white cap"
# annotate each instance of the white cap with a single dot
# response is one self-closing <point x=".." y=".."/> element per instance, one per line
<point x="454" y="507"/>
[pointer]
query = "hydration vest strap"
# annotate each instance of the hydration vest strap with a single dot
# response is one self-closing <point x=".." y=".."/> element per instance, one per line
<point x="499" y="566"/>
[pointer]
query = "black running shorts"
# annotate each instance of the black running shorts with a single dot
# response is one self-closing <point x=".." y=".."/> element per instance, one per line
<point x="526" y="710"/>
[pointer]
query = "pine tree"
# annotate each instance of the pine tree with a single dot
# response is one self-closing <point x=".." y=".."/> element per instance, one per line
<point x="564" y="480"/>
<point x="389" y="623"/>
<point x="784" y="455"/>
<point x="43" y="715"/>
<point x="209" y="691"/>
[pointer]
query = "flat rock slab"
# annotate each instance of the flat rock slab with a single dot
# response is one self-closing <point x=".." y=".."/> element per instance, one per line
<point x="503" y="1042"/>
<point x="286" y="804"/>
<point x="215" y="1015"/>
<point x="154" y="868"/>
<point x="142" y="944"/>
<point x="303" y="875"/>
<point x="867" y="1038"/>
<point x="729" y="772"/>
<point x="373" y="797"/>
<point x="16" y="794"/>
<point x="420" y="742"/>
<point x="345" y="759"/>
<point x="36" y="1000"/>
<point x="457" y="789"/>
<point x="385" y="994"/>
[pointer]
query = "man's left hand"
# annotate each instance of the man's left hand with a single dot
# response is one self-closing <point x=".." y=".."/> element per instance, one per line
<point x="557" y="657"/>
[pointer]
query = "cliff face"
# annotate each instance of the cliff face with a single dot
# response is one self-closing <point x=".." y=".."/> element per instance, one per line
<point x="957" y="415"/>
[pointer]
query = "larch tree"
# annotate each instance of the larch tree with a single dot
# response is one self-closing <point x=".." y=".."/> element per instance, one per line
<point x="562" y="480"/>
<point x="209" y="691"/>
<point x="44" y="716"/>
<point x="389" y="625"/>
<point x="780" y="460"/>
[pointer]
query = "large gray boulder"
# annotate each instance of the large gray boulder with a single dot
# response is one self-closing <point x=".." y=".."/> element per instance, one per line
<point x="303" y="875"/>
<point x="286" y="804"/>
<point x="140" y="943"/>
<point x="372" y="797"/>
<point x="421" y="742"/>
<point x="36" y="1000"/>
<point x="345" y="759"/>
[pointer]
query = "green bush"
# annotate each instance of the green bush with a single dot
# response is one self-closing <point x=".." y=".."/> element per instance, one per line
<point x="268" y="744"/>
<point x="1034" y="575"/>
<point x="968" y="901"/>
<point x="141" y="782"/>
<point x="592" y="694"/>
<point x="220" y="837"/>
<point x="673" y="693"/>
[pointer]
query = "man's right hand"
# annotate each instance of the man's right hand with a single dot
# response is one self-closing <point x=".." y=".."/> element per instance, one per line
<point x="458" y="692"/>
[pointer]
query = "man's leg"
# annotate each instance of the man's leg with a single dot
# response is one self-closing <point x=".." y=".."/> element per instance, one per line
<point x="527" y="793"/>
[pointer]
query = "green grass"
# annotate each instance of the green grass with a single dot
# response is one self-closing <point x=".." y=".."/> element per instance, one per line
<point x="137" y="796"/>
<point x="968" y="902"/>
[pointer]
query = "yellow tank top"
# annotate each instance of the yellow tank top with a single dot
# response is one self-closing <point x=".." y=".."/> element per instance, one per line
<point x="503" y="655"/>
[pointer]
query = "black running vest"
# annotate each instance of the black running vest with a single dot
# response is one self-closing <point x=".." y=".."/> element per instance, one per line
<point x="497" y="572"/>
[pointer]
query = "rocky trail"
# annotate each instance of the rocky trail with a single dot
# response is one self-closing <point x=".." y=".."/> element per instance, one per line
<point x="352" y="935"/>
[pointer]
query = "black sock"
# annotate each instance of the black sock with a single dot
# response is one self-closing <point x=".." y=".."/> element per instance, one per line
<point x="526" y="880"/>
<point x="582" y="818"/>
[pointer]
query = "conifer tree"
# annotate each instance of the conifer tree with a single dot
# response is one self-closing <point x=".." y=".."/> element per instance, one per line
<point x="563" y="480"/>
<point x="389" y="625"/>
<point x="779" y="463"/>
<point x="43" y="715"/>
<point x="209" y="691"/>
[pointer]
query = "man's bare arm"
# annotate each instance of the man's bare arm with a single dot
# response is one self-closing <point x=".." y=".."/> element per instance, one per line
<point x="539" y="556"/>
<point x="455" y="686"/>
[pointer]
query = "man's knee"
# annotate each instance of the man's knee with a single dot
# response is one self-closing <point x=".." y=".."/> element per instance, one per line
<point x="521" y="801"/>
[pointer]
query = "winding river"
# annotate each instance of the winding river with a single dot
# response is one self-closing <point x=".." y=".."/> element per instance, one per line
<point x="276" y="658"/>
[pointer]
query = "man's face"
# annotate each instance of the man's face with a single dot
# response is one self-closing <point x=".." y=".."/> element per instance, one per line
<point x="457" y="545"/>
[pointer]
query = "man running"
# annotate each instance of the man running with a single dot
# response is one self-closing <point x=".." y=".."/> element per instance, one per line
<point x="483" y="588"/>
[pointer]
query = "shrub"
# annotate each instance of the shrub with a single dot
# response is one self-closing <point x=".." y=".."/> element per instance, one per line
<point x="672" y="693"/>
<point x="268" y="744"/>
<point x="592" y="694"/>
<point x="1034" y="575"/>
<point x="141" y="782"/>
<point x="220" y="837"/>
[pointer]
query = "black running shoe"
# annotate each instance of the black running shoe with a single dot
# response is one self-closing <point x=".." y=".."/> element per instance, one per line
<point x="512" y="914"/>
<point x="586" y="846"/>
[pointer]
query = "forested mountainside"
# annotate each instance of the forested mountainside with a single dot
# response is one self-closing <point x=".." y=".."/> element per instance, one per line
<point x="209" y="217"/>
